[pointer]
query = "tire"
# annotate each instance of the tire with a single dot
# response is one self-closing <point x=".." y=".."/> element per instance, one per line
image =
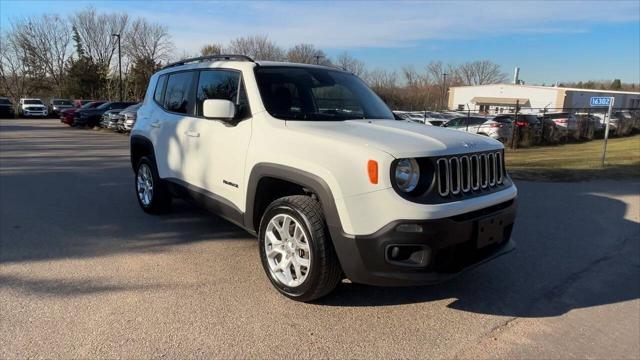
<point x="323" y="272"/>
<point x="157" y="198"/>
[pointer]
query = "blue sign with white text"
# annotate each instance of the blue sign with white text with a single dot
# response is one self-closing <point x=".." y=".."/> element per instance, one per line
<point x="600" y="101"/>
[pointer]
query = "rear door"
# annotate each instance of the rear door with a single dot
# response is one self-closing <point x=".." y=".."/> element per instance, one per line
<point x="175" y="102"/>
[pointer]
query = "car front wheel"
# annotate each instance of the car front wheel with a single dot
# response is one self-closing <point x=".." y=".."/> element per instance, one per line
<point x="296" y="251"/>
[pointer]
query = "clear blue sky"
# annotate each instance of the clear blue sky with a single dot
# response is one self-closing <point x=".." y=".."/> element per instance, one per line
<point x="550" y="40"/>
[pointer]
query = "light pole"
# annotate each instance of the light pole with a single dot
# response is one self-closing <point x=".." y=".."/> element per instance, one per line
<point x="444" y="89"/>
<point x="119" y="66"/>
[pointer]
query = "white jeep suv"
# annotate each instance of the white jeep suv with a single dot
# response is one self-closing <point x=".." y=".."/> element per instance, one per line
<point x="312" y="162"/>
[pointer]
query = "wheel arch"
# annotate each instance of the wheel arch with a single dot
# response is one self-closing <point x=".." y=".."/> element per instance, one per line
<point x="140" y="146"/>
<point x="299" y="181"/>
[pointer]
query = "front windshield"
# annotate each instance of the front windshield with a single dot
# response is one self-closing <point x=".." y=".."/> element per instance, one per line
<point x="33" y="102"/>
<point x="317" y="94"/>
<point x="5" y="102"/>
<point x="61" y="102"/>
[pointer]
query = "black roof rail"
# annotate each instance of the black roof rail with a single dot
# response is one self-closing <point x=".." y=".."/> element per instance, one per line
<point x="228" y="57"/>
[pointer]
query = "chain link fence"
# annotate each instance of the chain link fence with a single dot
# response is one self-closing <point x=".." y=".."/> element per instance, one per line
<point x="526" y="127"/>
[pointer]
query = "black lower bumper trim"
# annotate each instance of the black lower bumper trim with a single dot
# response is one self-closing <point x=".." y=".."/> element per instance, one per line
<point x="454" y="244"/>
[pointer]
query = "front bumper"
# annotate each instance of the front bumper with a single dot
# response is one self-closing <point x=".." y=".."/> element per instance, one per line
<point x="34" y="113"/>
<point x="442" y="249"/>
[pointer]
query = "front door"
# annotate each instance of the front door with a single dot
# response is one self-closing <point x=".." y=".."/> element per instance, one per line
<point x="218" y="148"/>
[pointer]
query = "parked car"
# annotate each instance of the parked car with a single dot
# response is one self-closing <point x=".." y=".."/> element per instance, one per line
<point x="422" y="117"/>
<point x="110" y="119"/>
<point x="57" y="105"/>
<point x="331" y="193"/>
<point x="32" y="107"/>
<point x="68" y="116"/>
<point x="588" y="126"/>
<point x="6" y="108"/>
<point x="567" y="124"/>
<point x="499" y="129"/>
<point x="625" y="122"/>
<point x="128" y="117"/>
<point x="91" y="117"/>
<point x="529" y="127"/>
<point x="79" y="103"/>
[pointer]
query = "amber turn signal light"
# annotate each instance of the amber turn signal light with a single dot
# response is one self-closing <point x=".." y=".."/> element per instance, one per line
<point x="372" y="169"/>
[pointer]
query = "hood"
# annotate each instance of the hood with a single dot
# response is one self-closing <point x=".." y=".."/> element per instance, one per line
<point x="399" y="138"/>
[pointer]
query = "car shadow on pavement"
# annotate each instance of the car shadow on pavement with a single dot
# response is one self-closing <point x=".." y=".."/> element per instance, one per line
<point x="574" y="251"/>
<point x="68" y="287"/>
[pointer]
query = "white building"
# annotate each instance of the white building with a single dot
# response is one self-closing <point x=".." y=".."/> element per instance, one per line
<point x="499" y="98"/>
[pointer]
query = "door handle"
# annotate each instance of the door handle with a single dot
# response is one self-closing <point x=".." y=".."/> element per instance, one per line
<point x="192" y="133"/>
<point x="155" y="124"/>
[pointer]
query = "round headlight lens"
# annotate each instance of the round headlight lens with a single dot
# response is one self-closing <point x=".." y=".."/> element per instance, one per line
<point x="407" y="174"/>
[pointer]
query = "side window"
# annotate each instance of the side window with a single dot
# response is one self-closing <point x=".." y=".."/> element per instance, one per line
<point x="223" y="85"/>
<point x="454" y="122"/>
<point x="158" y="96"/>
<point x="176" y="97"/>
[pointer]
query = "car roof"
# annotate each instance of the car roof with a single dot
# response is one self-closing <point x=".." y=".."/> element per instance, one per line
<point x="240" y="65"/>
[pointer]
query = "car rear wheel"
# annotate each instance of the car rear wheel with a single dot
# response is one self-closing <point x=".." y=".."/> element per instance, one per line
<point x="296" y="251"/>
<point x="151" y="191"/>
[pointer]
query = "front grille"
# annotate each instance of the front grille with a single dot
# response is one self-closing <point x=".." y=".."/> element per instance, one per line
<point x="465" y="174"/>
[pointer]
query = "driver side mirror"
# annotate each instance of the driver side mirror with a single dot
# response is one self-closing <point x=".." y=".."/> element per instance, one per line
<point x="219" y="109"/>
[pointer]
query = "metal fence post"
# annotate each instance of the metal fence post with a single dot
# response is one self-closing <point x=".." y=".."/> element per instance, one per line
<point x="606" y="131"/>
<point x="515" y="130"/>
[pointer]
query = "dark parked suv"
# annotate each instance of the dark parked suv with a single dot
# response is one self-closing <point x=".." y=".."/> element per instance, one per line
<point x="91" y="117"/>
<point x="6" y="108"/>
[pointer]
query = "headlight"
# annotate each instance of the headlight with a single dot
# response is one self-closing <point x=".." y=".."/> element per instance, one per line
<point x="407" y="174"/>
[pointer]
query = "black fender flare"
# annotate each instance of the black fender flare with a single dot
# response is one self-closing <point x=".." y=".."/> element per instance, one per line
<point x="310" y="181"/>
<point x="137" y="141"/>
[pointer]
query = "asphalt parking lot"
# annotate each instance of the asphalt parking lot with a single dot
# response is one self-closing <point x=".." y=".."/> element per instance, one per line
<point x="85" y="273"/>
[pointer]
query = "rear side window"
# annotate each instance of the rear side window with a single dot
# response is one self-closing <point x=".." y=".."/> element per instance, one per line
<point x="158" y="96"/>
<point x="503" y="119"/>
<point x="222" y="85"/>
<point x="176" y="97"/>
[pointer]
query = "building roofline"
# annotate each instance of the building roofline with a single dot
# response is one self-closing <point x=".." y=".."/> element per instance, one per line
<point x="551" y="88"/>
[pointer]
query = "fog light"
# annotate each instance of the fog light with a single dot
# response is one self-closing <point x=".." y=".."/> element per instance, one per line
<point x="410" y="228"/>
<point x="408" y="255"/>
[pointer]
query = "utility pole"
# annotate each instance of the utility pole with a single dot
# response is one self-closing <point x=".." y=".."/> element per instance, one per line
<point x="444" y="90"/>
<point x="119" y="66"/>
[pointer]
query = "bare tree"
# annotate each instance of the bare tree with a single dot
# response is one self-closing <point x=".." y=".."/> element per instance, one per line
<point x="95" y="32"/>
<point x="14" y="68"/>
<point x="442" y="76"/>
<point x="211" y="49"/>
<point x="257" y="47"/>
<point x="351" y="64"/>
<point x="148" y="41"/>
<point x="46" y="43"/>
<point x="307" y="54"/>
<point x="481" y="73"/>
